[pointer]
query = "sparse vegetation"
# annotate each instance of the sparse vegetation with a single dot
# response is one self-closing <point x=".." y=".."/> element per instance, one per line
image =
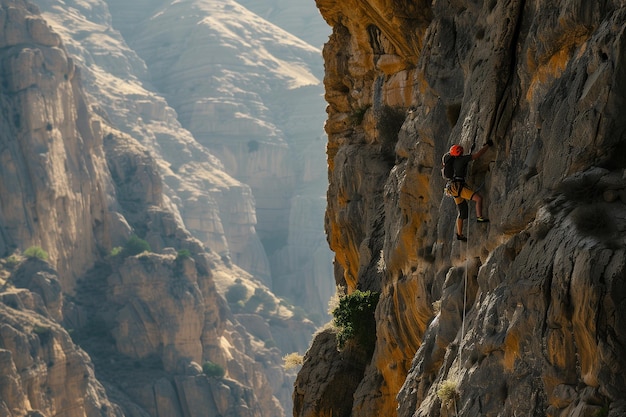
<point x="12" y="261"/>
<point x="333" y="303"/>
<point x="293" y="360"/>
<point x="133" y="246"/>
<point x="447" y="392"/>
<point x="115" y="251"/>
<point x="261" y="298"/>
<point x="43" y="332"/>
<point x="183" y="254"/>
<point x="253" y="146"/>
<point x="298" y="313"/>
<point x="36" y="252"/>
<point x="354" y="319"/>
<point x="581" y="189"/>
<point x="602" y="412"/>
<point x="213" y="370"/>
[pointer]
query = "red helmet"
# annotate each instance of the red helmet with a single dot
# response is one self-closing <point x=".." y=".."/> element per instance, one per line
<point x="456" y="150"/>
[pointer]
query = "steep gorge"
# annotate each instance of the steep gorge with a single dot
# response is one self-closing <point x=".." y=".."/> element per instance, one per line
<point x="527" y="317"/>
<point x="109" y="305"/>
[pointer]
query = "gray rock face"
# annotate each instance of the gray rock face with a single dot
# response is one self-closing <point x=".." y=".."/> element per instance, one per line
<point x="523" y="319"/>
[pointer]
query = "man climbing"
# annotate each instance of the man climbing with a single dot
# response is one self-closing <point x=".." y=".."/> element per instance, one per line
<point x="455" y="170"/>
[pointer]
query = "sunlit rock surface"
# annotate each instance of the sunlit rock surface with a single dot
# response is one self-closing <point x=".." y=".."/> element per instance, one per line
<point x="525" y="319"/>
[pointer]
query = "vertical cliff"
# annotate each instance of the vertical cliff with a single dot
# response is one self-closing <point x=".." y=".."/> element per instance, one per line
<point x="524" y="318"/>
<point x="48" y="159"/>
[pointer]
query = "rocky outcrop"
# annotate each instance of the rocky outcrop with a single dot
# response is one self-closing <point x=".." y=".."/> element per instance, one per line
<point x="43" y="371"/>
<point x="524" y="318"/>
<point x="51" y="167"/>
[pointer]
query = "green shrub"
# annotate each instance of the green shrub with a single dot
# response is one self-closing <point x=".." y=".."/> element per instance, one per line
<point x="43" y="332"/>
<point x="354" y="319"/>
<point x="134" y="246"/>
<point x="36" y="252"/>
<point x="602" y="411"/>
<point x="213" y="370"/>
<point x="183" y="254"/>
<point x="115" y="251"/>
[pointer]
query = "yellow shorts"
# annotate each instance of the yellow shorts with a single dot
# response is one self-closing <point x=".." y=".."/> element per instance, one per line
<point x="465" y="193"/>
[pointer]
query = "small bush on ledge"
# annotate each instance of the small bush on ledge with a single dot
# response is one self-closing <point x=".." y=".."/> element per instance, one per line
<point x="213" y="370"/>
<point x="36" y="252"/>
<point x="133" y="246"/>
<point x="354" y="319"/>
<point x="293" y="360"/>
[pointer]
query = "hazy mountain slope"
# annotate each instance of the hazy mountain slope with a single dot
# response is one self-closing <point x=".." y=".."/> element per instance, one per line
<point x="85" y="171"/>
<point x="298" y="17"/>
<point x="246" y="91"/>
<point x="287" y="166"/>
<point x="80" y="160"/>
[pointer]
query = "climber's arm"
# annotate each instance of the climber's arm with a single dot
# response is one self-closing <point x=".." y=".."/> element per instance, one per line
<point x="482" y="150"/>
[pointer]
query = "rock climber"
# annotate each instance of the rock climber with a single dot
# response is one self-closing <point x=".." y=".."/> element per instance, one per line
<point x="455" y="170"/>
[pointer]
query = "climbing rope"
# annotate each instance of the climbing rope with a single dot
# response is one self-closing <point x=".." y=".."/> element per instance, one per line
<point x="464" y="294"/>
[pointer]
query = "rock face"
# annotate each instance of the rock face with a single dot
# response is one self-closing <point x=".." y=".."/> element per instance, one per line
<point x="47" y="156"/>
<point x="525" y="318"/>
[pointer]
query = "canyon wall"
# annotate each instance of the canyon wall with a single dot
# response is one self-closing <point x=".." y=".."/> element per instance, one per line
<point x="527" y="317"/>
<point x="116" y="262"/>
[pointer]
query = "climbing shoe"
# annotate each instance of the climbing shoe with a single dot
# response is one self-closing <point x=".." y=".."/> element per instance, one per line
<point x="482" y="220"/>
<point x="461" y="237"/>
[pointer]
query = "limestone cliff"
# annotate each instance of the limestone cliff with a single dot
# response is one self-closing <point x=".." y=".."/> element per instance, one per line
<point x="109" y="306"/>
<point x="527" y="317"/>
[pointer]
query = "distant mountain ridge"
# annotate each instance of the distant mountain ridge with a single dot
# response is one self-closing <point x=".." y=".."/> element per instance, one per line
<point x="299" y="17"/>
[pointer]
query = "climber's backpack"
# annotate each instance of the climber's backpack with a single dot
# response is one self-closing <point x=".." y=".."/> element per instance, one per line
<point x="448" y="167"/>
